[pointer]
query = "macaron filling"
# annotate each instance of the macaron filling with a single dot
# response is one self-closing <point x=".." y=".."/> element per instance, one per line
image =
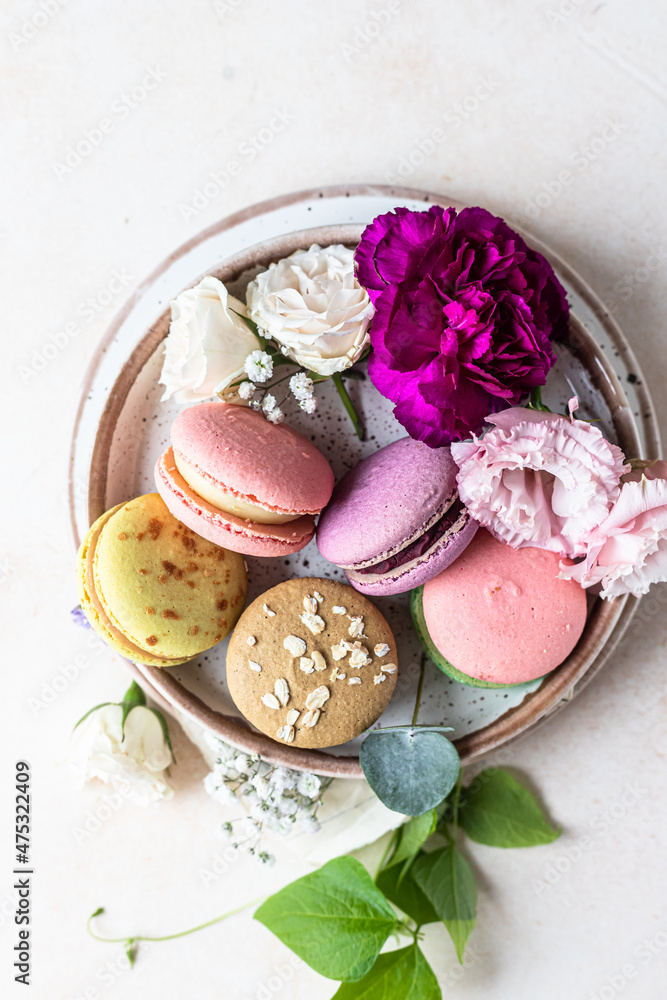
<point x="439" y="531"/>
<point x="248" y="509"/>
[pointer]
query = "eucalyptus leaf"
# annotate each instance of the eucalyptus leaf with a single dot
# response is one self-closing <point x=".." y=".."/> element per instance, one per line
<point x="448" y="881"/>
<point x="410" y="770"/>
<point x="401" y="888"/>
<point x="335" y="919"/>
<point x="496" y="810"/>
<point x="398" y="975"/>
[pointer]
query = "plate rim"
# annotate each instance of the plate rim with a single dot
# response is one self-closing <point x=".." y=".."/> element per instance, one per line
<point x="609" y="621"/>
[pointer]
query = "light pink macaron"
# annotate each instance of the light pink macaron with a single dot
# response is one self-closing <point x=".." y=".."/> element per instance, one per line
<point x="502" y="615"/>
<point x="233" y="449"/>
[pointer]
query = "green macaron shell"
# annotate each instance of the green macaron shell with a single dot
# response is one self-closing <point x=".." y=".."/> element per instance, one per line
<point x="419" y="623"/>
<point x="166" y="589"/>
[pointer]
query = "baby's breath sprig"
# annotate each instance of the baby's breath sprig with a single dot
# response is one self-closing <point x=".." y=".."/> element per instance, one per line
<point x="277" y="799"/>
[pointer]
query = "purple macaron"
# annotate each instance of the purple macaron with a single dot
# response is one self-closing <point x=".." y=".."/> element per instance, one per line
<point x="396" y="520"/>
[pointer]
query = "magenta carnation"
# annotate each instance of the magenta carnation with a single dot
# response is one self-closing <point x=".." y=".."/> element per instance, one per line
<point x="465" y="314"/>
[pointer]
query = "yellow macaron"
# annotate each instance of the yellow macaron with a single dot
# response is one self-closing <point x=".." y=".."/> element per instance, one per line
<point x="155" y="591"/>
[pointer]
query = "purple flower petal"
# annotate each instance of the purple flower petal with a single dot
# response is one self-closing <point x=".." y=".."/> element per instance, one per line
<point x="465" y="315"/>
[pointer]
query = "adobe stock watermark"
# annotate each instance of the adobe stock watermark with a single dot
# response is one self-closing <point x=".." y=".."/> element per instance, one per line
<point x="225" y="7"/>
<point x="120" y="109"/>
<point x="247" y="151"/>
<point x="6" y="570"/>
<point x="31" y="27"/>
<point x="51" y="690"/>
<point x="452" y="119"/>
<point x="277" y="981"/>
<point x="644" y="954"/>
<point x="564" y="10"/>
<point x="601" y="824"/>
<point x="367" y="32"/>
<point x="86" y="311"/>
<point x="633" y="281"/>
<point x="108" y="974"/>
<point x="219" y="865"/>
<point x="551" y="190"/>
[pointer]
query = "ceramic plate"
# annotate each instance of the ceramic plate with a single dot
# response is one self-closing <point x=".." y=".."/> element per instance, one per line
<point x="122" y="427"/>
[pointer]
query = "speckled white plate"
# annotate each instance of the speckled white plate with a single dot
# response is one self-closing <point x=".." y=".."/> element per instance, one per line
<point x="122" y="427"/>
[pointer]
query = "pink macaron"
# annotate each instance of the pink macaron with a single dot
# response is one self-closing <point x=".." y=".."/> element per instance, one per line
<point x="242" y="482"/>
<point x="502" y="615"/>
<point x="395" y="519"/>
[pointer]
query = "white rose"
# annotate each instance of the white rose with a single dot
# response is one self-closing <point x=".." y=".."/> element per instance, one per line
<point x="207" y="344"/>
<point x="134" y="765"/>
<point x="312" y="303"/>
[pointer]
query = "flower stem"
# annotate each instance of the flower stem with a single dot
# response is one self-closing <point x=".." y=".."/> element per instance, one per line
<point x="535" y="401"/>
<point x="420" y="687"/>
<point x="165" y="937"/>
<point x="349" y="406"/>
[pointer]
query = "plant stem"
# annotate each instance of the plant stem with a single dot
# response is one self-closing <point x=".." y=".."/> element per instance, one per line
<point x="455" y="803"/>
<point x="349" y="406"/>
<point x="391" y="843"/>
<point x="166" y="937"/>
<point x="535" y="401"/>
<point x="420" y="687"/>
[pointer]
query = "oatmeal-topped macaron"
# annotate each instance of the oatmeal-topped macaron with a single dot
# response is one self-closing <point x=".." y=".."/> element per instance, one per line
<point x="312" y="663"/>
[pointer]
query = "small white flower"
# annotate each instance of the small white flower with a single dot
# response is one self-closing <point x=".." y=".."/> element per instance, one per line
<point x="283" y="779"/>
<point x="261" y="786"/>
<point x="133" y="761"/>
<point x="207" y="345"/>
<point x="246" y="390"/>
<point x="301" y="386"/>
<point x="288" y="807"/>
<point x="258" y="366"/>
<point x="309" y="824"/>
<point x="308" y="785"/>
<point x="219" y="791"/>
<point x="269" y="404"/>
<point x="242" y="763"/>
<point x="308" y="405"/>
<point x="276" y="416"/>
<point x="313" y="305"/>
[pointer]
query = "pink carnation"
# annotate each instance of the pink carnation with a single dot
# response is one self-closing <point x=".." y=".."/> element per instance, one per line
<point x="539" y="479"/>
<point x="628" y="551"/>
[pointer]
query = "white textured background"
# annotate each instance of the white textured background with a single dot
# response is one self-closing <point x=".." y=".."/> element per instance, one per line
<point x="574" y="87"/>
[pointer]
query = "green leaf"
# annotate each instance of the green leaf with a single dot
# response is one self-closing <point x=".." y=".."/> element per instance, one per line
<point x="165" y="730"/>
<point x="448" y="881"/>
<point x="91" y="710"/>
<point x="410" y="770"/>
<point x="401" y="889"/>
<point x="133" y="697"/>
<point x="413" y="834"/>
<point x="496" y="810"/>
<point x="251" y="326"/>
<point x="335" y="919"/>
<point x="398" y="975"/>
<point x="131" y="953"/>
